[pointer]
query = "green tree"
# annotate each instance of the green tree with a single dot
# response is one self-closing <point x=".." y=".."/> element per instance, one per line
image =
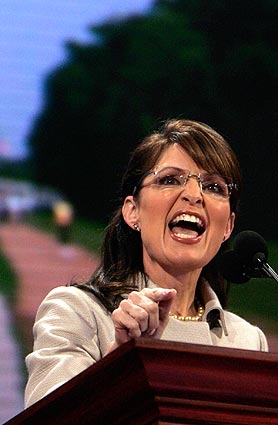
<point x="213" y="61"/>
<point x="241" y="40"/>
<point x="110" y="94"/>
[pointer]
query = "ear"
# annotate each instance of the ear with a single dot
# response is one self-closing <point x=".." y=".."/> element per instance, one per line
<point x="229" y="227"/>
<point x="130" y="211"/>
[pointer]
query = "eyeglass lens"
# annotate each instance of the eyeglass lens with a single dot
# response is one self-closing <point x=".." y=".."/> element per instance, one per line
<point x="211" y="184"/>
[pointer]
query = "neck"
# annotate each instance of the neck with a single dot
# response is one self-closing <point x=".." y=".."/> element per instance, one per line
<point x="184" y="283"/>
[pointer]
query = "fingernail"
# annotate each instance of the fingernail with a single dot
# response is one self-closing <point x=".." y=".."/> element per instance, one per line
<point x="167" y="291"/>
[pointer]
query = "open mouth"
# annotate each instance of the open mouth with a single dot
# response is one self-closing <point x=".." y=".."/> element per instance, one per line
<point x="187" y="226"/>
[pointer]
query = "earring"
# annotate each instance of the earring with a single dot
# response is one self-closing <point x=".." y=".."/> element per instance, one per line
<point x="136" y="227"/>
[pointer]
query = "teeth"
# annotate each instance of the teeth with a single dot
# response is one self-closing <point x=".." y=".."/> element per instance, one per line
<point x="190" y="218"/>
<point x="183" y="236"/>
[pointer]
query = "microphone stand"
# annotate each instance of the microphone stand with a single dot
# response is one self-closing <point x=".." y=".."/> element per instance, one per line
<point x="259" y="258"/>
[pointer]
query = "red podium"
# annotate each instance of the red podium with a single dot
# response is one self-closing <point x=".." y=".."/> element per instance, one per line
<point x="158" y="382"/>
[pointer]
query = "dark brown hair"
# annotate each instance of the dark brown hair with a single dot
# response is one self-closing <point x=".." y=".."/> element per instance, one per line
<point x="122" y="259"/>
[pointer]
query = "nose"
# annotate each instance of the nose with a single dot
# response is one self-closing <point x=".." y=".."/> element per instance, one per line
<point x="192" y="191"/>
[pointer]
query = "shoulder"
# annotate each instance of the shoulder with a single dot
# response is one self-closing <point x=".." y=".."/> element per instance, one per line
<point x="65" y="301"/>
<point x="246" y="331"/>
<point x="236" y="319"/>
<point x="70" y="292"/>
<point x="73" y="314"/>
<point x="71" y="295"/>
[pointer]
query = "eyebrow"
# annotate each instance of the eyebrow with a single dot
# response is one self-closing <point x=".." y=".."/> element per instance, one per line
<point x="159" y="168"/>
<point x="169" y="166"/>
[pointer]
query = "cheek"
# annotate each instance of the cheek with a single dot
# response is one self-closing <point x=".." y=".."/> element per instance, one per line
<point x="154" y="207"/>
<point x="219" y="217"/>
<point x="153" y="213"/>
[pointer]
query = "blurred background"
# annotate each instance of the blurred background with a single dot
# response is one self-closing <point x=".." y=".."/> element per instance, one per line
<point x="82" y="82"/>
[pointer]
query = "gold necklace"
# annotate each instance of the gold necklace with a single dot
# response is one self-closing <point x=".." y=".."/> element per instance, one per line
<point x="196" y="318"/>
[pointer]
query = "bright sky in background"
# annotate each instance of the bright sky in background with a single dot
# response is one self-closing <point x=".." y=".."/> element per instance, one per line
<point x="32" y="36"/>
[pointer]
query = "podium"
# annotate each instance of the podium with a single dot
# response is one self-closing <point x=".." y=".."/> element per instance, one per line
<point x="157" y="382"/>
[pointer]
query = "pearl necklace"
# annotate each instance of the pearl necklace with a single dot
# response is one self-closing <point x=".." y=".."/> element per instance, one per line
<point x="196" y="318"/>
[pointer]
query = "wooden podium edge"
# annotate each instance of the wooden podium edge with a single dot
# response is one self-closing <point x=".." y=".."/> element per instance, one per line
<point x="148" y="381"/>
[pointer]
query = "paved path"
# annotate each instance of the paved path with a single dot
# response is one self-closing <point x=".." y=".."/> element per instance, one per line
<point x="41" y="263"/>
<point x="11" y="376"/>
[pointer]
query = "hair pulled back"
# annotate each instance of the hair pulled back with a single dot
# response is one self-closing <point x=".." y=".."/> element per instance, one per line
<point x="121" y="267"/>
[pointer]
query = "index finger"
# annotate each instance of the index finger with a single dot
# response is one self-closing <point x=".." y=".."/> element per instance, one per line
<point x="159" y="294"/>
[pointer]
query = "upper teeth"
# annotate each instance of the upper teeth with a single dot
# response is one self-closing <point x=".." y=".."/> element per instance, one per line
<point x="188" y="217"/>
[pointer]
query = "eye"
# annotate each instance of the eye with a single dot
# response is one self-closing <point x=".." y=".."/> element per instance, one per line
<point x="169" y="180"/>
<point x="215" y="188"/>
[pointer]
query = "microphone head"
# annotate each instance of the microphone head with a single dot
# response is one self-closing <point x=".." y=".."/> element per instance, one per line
<point x="245" y="260"/>
<point x="247" y="245"/>
<point x="231" y="268"/>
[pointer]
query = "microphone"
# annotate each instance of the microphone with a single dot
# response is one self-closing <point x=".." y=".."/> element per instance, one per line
<point x="231" y="268"/>
<point x="247" y="259"/>
<point x="247" y="244"/>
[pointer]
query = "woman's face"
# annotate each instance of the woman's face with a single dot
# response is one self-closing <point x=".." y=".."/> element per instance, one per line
<point x="181" y="226"/>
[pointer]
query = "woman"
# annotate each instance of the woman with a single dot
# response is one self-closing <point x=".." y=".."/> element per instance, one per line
<point x="158" y="276"/>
